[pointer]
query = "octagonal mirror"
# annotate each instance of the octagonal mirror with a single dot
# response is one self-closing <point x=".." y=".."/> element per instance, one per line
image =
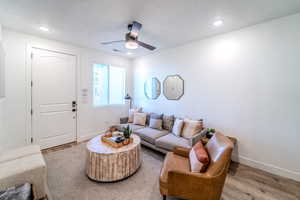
<point x="173" y="87"/>
<point x="152" y="88"/>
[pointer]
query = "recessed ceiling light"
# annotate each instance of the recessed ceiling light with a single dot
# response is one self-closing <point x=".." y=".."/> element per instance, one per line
<point x="45" y="29"/>
<point x="218" y="23"/>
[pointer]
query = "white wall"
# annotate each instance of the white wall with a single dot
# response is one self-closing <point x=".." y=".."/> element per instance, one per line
<point x="15" y="108"/>
<point x="1" y="103"/>
<point x="245" y="84"/>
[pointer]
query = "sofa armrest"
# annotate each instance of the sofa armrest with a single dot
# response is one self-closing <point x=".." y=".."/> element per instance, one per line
<point x="123" y="120"/>
<point x="181" y="151"/>
<point x="193" y="140"/>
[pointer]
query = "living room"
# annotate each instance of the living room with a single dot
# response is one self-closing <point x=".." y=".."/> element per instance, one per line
<point x="166" y="78"/>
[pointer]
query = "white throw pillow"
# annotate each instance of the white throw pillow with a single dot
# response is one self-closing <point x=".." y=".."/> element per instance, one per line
<point x="131" y="113"/>
<point x="139" y="119"/>
<point x="195" y="164"/>
<point x="191" y="127"/>
<point x="177" y="128"/>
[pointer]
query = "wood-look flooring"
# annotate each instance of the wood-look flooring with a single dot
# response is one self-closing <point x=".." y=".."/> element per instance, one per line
<point x="247" y="183"/>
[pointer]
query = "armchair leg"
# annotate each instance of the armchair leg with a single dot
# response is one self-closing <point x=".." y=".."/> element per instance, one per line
<point x="164" y="197"/>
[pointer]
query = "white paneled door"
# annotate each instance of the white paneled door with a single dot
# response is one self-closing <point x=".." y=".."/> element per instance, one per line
<point x="53" y="98"/>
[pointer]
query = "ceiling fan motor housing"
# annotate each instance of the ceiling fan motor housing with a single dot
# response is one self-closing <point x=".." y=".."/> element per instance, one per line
<point x="130" y="37"/>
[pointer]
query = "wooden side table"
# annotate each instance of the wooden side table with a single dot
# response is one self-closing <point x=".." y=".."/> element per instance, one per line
<point x="107" y="164"/>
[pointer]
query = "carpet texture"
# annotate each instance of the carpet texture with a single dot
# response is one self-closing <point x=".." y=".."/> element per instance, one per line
<point x="67" y="180"/>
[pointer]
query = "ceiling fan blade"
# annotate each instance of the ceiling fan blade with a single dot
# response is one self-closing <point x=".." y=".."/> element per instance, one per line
<point x="112" y="42"/>
<point x="147" y="46"/>
<point x="135" y="29"/>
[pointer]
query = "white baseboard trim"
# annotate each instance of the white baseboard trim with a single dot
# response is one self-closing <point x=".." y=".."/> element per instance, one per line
<point x="87" y="136"/>
<point x="267" y="167"/>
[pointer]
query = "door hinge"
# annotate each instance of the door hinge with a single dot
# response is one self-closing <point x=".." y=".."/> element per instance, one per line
<point x="31" y="140"/>
<point x="31" y="83"/>
<point x="31" y="112"/>
<point x="31" y="55"/>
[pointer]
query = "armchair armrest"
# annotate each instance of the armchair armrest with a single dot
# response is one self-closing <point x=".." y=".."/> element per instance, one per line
<point x="190" y="185"/>
<point x="181" y="151"/>
<point x="193" y="140"/>
<point x="123" y="120"/>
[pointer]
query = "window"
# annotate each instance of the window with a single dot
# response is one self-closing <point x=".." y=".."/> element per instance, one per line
<point x="108" y="85"/>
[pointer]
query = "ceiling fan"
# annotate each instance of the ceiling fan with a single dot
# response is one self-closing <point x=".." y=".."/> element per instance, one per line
<point x="131" y="38"/>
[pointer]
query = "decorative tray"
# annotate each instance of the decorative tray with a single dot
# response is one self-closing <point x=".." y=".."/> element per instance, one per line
<point x="116" y="140"/>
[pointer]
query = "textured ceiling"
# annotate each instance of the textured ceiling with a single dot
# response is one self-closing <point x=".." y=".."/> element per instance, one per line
<point x="166" y="23"/>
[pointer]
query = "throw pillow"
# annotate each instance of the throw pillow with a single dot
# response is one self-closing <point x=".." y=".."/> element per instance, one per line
<point x="131" y="113"/>
<point x="148" y="119"/>
<point x="156" y="116"/>
<point x="168" y="122"/>
<point x="139" y="119"/>
<point x="177" y="128"/>
<point x="155" y="123"/>
<point x="191" y="128"/>
<point x="199" y="159"/>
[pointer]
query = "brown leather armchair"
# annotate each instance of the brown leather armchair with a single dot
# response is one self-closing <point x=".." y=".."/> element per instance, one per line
<point x="176" y="180"/>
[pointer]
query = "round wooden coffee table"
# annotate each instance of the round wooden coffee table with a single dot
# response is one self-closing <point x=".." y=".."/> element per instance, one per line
<point x="108" y="164"/>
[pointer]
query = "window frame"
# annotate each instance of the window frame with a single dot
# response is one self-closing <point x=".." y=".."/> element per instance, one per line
<point x="108" y="74"/>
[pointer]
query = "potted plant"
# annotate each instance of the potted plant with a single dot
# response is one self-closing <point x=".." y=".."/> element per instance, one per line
<point x="127" y="133"/>
<point x="210" y="132"/>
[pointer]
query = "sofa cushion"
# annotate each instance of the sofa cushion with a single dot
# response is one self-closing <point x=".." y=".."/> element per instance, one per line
<point x="156" y="116"/>
<point x="148" y="118"/>
<point x="156" y="124"/>
<point x="131" y="113"/>
<point x="191" y="128"/>
<point x="132" y="126"/>
<point x="177" y="128"/>
<point x="139" y="119"/>
<point x="168" y="122"/>
<point x="170" y="141"/>
<point x="150" y="134"/>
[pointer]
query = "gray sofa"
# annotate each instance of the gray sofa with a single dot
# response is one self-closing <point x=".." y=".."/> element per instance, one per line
<point x="160" y="140"/>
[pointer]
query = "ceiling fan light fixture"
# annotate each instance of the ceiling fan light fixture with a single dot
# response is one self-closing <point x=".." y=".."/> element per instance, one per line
<point x="218" y="23"/>
<point x="131" y="44"/>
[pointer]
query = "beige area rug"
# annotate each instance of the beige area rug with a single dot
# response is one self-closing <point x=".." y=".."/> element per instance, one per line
<point x="67" y="180"/>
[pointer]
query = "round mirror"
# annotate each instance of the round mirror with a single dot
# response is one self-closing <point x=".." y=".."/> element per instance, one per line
<point x="152" y="88"/>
